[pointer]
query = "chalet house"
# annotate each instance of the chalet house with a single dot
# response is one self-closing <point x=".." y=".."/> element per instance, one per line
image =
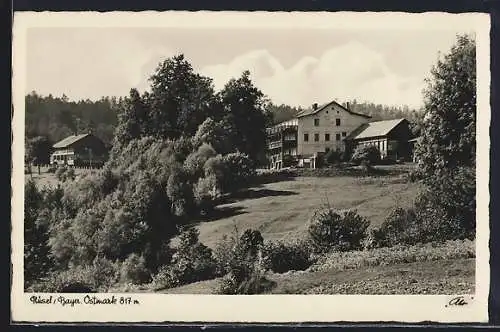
<point x="313" y="133"/>
<point x="79" y="150"/>
<point x="391" y="137"/>
<point x="333" y="127"/>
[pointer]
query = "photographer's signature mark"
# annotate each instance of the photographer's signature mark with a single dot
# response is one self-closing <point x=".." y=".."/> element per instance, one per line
<point x="458" y="301"/>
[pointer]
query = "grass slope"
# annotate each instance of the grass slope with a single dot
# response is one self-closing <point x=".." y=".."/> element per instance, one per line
<point x="282" y="209"/>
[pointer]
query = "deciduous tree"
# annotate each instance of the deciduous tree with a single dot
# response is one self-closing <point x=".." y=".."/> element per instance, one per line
<point x="180" y="99"/>
<point x="246" y="109"/>
<point x="449" y="130"/>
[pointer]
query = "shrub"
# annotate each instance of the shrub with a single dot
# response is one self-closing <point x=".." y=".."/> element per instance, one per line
<point x="254" y="283"/>
<point x="59" y="173"/>
<point x="332" y="157"/>
<point x="51" y="169"/>
<point x="195" y="161"/>
<point x="227" y="285"/>
<point x="206" y="193"/>
<point x="289" y="161"/>
<point x="37" y="259"/>
<point x="240" y="171"/>
<point x="64" y="173"/>
<point x="96" y="277"/>
<point x="133" y="270"/>
<point x="224" y="253"/>
<point x="428" y="221"/>
<point x="395" y="229"/>
<point x="193" y="261"/>
<point x="239" y="259"/>
<point x="454" y="192"/>
<point x="274" y="175"/>
<point x="331" y="230"/>
<point x="244" y="255"/>
<point x="215" y="134"/>
<point x="413" y="176"/>
<point x="70" y="173"/>
<point x="281" y="257"/>
<point x="366" y="154"/>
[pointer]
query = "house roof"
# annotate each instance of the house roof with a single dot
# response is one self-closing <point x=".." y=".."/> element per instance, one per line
<point x="375" y="129"/>
<point x="322" y="107"/>
<point x="69" y="140"/>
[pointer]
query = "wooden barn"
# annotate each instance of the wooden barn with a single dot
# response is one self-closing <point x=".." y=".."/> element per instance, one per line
<point x="389" y="136"/>
<point x="84" y="150"/>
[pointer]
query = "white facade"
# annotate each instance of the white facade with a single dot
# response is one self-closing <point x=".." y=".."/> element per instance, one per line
<point x="326" y="130"/>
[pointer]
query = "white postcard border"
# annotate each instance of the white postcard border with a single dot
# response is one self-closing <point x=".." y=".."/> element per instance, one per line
<point x="255" y="308"/>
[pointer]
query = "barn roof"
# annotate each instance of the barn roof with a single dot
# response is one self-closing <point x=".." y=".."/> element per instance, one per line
<point x="69" y="140"/>
<point x="322" y="107"/>
<point x="376" y="129"/>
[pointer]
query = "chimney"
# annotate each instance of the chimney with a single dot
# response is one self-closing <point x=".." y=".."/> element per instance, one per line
<point x="348" y="106"/>
<point x="315" y="106"/>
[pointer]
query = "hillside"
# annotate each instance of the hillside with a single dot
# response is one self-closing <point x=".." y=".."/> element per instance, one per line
<point x="454" y="276"/>
<point x="282" y="209"/>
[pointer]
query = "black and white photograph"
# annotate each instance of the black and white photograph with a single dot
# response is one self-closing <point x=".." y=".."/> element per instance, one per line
<point x="337" y="158"/>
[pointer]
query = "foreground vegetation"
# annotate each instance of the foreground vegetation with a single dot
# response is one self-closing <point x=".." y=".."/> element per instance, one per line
<point x="183" y="154"/>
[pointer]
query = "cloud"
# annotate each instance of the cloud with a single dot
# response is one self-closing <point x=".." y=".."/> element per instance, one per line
<point x="89" y="64"/>
<point x="348" y="71"/>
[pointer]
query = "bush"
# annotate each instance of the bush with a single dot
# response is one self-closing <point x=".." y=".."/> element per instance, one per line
<point x="239" y="259"/>
<point x="227" y="285"/>
<point x="428" y="221"/>
<point x="64" y="173"/>
<point x="133" y="270"/>
<point x="96" y="277"/>
<point x="332" y="157"/>
<point x="37" y="259"/>
<point x="224" y="253"/>
<point x="331" y="230"/>
<point x="366" y="154"/>
<point x="256" y="283"/>
<point x="70" y="173"/>
<point x="454" y="192"/>
<point x="274" y="175"/>
<point x="281" y="257"/>
<point x="59" y="173"/>
<point x="193" y="261"/>
<point x="51" y="169"/>
<point x="195" y="161"/>
<point x="240" y="171"/>
<point x="395" y="229"/>
<point x="289" y="161"/>
<point x="206" y="193"/>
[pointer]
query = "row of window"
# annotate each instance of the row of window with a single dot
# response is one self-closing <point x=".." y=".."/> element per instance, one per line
<point x="379" y="144"/>
<point x="316" y="122"/>
<point x="327" y="137"/>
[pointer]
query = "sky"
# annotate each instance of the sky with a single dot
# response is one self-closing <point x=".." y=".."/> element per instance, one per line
<point x="294" y="66"/>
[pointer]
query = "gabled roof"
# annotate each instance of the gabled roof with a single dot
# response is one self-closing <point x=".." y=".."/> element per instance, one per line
<point x="322" y="107"/>
<point x="375" y="129"/>
<point x="69" y="140"/>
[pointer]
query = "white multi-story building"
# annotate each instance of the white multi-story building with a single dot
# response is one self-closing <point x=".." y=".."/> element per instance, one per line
<point x="332" y="127"/>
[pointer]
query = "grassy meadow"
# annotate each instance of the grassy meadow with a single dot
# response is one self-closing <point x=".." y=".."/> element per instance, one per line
<point x="282" y="209"/>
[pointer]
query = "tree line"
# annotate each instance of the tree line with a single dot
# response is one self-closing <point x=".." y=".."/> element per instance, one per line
<point x="190" y="96"/>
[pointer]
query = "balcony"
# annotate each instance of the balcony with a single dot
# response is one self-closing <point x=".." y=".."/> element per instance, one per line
<point x="274" y="145"/>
